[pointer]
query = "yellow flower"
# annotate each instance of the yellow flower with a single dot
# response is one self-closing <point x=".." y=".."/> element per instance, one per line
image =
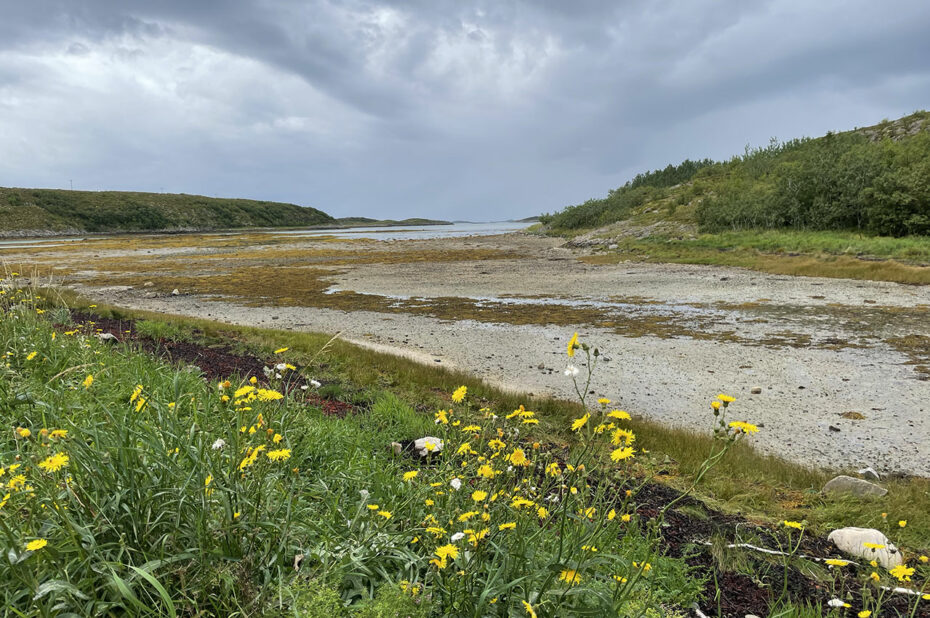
<point x="902" y="573"/>
<point x="875" y="576"/>
<point x="88" y="381"/>
<point x="873" y="546"/>
<point x="620" y="579"/>
<point x="268" y="395"/>
<point x="206" y="484"/>
<point x="277" y="438"/>
<point x="518" y="458"/>
<point x="626" y="518"/>
<point x="471" y="428"/>
<point x="604" y="401"/>
<point x="242" y="391"/>
<point x="542" y="512"/>
<point x="486" y="471"/>
<point x="496" y="444"/>
<point x="580" y="422"/>
<point x="902" y="523"/>
<point x="715" y="405"/>
<point x="924" y="559"/>
<point x="744" y="427"/>
<point x="622" y="435"/>
<point x="135" y="393"/>
<point x="619" y="414"/>
<point x="23" y="432"/>
<point x="459" y="394"/>
<point x="611" y="515"/>
<point x="429" y="502"/>
<point x="467" y="516"/>
<point x="16" y="482"/>
<point x="58" y="434"/>
<point x="572" y="344"/>
<point x="385" y="514"/>
<point x="281" y="350"/>
<point x="253" y="380"/>
<point x="442" y="417"/>
<point x="570" y="576"/>
<point x="529" y="609"/>
<point x="553" y="469"/>
<point x="793" y="524"/>
<point x="54" y="463"/>
<point x="409" y="476"/>
<point x="622" y="453"/>
<point x="36" y="545"/>
<point x="141" y="403"/>
<point x="281" y="454"/>
<point x="836" y="563"/>
<point x="31" y="355"/>
<point x="479" y="496"/>
<point x="508" y="526"/>
<point x="725" y="398"/>
<point x="864" y="614"/>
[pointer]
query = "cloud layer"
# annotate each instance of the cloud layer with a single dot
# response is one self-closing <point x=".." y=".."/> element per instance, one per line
<point x="462" y="110"/>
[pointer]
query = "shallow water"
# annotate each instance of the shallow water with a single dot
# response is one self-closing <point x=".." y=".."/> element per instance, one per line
<point x="412" y="232"/>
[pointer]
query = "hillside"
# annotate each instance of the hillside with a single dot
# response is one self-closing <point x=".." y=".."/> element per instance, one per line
<point x="874" y="180"/>
<point x="54" y="211"/>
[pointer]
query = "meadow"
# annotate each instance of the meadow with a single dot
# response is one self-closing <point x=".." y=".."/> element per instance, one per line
<point x="138" y="485"/>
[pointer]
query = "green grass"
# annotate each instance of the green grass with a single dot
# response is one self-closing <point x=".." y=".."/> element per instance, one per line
<point x="55" y="210"/>
<point x="806" y="253"/>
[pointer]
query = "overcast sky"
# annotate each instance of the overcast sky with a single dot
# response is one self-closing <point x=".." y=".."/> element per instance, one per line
<point x="452" y="109"/>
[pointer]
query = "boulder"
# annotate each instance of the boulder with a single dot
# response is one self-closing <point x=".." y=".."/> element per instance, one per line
<point x="851" y="541"/>
<point x="756" y="390"/>
<point x="857" y="487"/>
<point x="427" y="445"/>
<point x="869" y="473"/>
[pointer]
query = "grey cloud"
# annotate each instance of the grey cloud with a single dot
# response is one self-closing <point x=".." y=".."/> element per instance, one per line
<point x="434" y="107"/>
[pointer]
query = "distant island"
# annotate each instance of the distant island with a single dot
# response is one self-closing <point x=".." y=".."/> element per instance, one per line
<point x="59" y="212"/>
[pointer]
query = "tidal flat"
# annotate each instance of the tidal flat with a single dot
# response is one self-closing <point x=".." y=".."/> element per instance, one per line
<point x="842" y="365"/>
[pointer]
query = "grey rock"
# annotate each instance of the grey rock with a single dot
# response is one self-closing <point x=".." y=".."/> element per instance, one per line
<point x="851" y="541"/>
<point x="756" y="390"/>
<point x="869" y="473"/>
<point x="148" y="284"/>
<point x="612" y="246"/>
<point x="857" y="487"/>
<point x="107" y="338"/>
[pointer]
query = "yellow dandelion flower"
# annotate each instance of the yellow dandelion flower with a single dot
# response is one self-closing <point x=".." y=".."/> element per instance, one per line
<point x="518" y="458"/>
<point x="578" y="423"/>
<point x="281" y="454"/>
<point x="744" y="427"/>
<point x="479" y="496"/>
<point x="242" y="391"/>
<point x="529" y="609"/>
<point x="570" y="577"/>
<point x="619" y="414"/>
<point x="268" y="395"/>
<point x="486" y="471"/>
<point x="835" y="562"/>
<point x="409" y="476"/>
<point x="88" y="381"/>
<point x="54" y="463"/>
<point x="23" y="432"/>
<point x="31" y="355"/>
<point x="902" y="573"/>
<point x="864" y="614"/>
<point x="281" y="350"/>
<point x="385" y="514"/>
<point x="622" y="453"/>
<point x="873" y="546"/>
<point x="902" y="523"/>
<point x="36" y="545"/>
<point x="572" y="344"/>
<point x="459" y="394"/>
<point x="507" y="526"/>
<point x="793" y="524"/>
<point x="725" y="398"/>
<point x="373" y="507"/>
<point x="604" y="401"/>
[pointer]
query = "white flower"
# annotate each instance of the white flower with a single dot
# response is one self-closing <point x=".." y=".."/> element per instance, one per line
<point x="835" y="603"/>
<point x="220" y="443"/>
<point x="571" y="371"/>
<point x="458" y="536"/>
<point x="281" y="366"/>
<point x="277" y="375"/>
<point x="304" y="387"/>
<point x="456" y="484"/>
<point x="315" y="384"/>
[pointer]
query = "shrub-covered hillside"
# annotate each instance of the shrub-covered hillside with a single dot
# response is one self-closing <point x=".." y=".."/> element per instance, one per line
<point x="874" y="180"/>
<point x="25" y="211"/>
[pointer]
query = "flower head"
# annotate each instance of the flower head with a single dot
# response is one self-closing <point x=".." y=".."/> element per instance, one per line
<point x="459" y="394"/>
<point x="570" y="576"/>
<point x="572" y="344"/>
<point x="36" y="545"/>
<point x="740" y="426"/>
<point x="54" y="463"/>
<point x="580" y="422"/>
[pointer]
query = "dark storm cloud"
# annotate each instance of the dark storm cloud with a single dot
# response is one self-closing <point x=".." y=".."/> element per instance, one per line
<point x="436" y="108"/>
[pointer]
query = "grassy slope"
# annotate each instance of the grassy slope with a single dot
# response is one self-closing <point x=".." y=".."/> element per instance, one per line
<point x="53" y="210"/>
<point x="664" y="228"/>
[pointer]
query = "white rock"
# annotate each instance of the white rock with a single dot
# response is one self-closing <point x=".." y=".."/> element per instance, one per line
<point x="756" y="390"/>
<point x="869" y="473"/>
<point x="107" y="338"/>
<point x="852" y="541"/>
<point x="857" y="487"/>
<point x="175" y="292"/>
<point x="427" y="445"/>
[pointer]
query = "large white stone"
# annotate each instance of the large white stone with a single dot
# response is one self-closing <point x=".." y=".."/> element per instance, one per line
<point x="427" y="445"/>
<point x="852" y="541"/>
